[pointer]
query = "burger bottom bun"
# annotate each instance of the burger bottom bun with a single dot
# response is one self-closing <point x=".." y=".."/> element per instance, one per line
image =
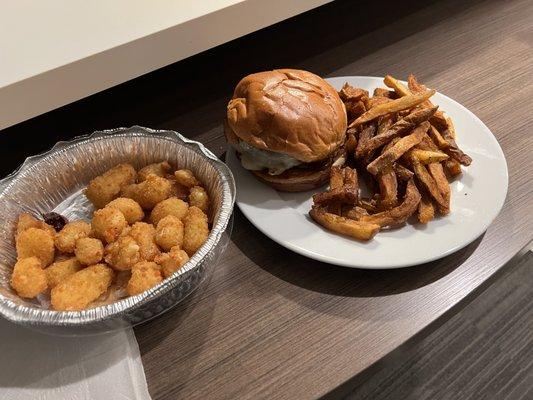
<point x="300" y="179"/>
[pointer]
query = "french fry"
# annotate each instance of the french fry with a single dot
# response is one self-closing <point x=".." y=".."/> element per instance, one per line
<point x="451" y="127"/>
<point x="403" y="103"/>
<point x="384" y="123"/>
<point x="343" y="194"/>
<point x="437" y="138"/>
<point x="403" y="173"/>
<point x="356" y="229"/>
<point x="397" y="215"/>
<point x="426" y="210"/>
<point x="437" y="172"/>
<point x="403" y="145"/>
<point x="365" y="135"/>
<point x="452" y="167"/>
<point x="350" y="178"/>
<point x="381" y="92"/>
<point x="354" y="109"/>
<point x="454" y="151"/>
<point x="388" y="188"/>
<point x="336" y="180"/>
<point x="402" y="126"/>
<point x="428" y="156"/>
<point x="427" y="144"/>
<point x="354" y="212"/>
<point x="400" y="89"/>
<point x="388" y="183"/>
<point x="369" y="205"/>
<point x="415" y="87"/>
<point x="350" y="93"/>
<point x="376" y="101"/>
<point x="429" y="184"/>
<point x="446" y="142"/>
<point x="418" y="154"/>
<point x="350" y="144"/>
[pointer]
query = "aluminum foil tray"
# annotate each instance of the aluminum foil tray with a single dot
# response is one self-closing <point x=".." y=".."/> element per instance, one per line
<point x="54" y="181"/>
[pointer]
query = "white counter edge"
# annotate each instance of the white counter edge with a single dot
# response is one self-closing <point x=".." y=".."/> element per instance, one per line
<point x="41" y="93"/>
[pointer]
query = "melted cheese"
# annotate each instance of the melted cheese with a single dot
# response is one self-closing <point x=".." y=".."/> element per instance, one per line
<point x="255" y="159"/>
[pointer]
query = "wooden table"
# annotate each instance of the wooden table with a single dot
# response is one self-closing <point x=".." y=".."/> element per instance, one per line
<point x="270" y="323"/>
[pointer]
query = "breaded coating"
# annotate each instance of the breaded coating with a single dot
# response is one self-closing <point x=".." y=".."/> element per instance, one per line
<point x="89" y="251"/>
<point x="81" y="288"/>
<point x="195" y="230"/>
<point x="61" y="270"/>
<point x="123" y="253"/>
<point x="144" y="275"/>
<point x="169" y="232"/>
<point x="144" y="235"/>
<point x="104" y="188"/>
<point x="108" y="224"/>
<point x="172" y="261"/>
<point x="26" y="221"/>
<point x="65" y="240"/>
<point x="171" y="206"/>
<point x="159" y="169"/>
<point x="149" y="192"/>
<point x="198" y="197"/>
<point x="131" y="210"/>
<point x="36" y="242"/>
<point x="186" y="178"/>
<point x="28" y="278"/>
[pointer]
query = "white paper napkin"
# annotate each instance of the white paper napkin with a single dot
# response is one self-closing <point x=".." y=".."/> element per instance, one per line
<point x="34" y="365"/>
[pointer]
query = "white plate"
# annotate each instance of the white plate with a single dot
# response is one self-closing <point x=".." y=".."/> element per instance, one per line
<point x="477" y="198"/>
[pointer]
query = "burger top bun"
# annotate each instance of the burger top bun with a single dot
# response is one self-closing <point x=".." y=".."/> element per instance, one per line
<point x="287" y="111"/>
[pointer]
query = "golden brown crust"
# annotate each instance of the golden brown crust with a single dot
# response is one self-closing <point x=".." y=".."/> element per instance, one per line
<point x="288" y="111"/>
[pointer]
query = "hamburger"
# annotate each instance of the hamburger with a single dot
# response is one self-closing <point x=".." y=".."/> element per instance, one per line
<point x="288" y="128"/>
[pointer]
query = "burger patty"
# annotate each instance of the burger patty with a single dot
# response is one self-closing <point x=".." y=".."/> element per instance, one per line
<point x="311" y="167"/>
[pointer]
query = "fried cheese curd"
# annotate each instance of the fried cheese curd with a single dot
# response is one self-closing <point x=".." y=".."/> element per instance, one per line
<point x="149" y="192"/>
<point x="123" y="253"/>
<point x="106" y="187"/>
<point x="28" y="278"/>
<point x="65" y="239"/>
<point x="171" y="206"/>
<point x="172" y="261"/>
<point x="144" y="275"/>
<point x="89" y="251"/>
<point x="158" y="169"/>
<point x="131" y="210"/>
<point x="169" y="232"/>
<point x="198" y="197"/>
<point x="81" y="288"/>
<point x="186" y="178"/>
<point x="61" y="270"/>
<point x="35" y="242"/>
<point x="108" y="223"/>
<point x="195" y="230"/>
<point x="26" y="221"/>
<point x="143" y="236"/>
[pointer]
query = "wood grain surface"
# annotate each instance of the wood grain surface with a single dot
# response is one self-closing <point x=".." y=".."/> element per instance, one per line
<point x="270" y="323"/>
<point x="485" y="352"/>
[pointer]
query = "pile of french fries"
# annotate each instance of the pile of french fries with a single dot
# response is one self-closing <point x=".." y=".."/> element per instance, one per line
<point x="404" y="148"/>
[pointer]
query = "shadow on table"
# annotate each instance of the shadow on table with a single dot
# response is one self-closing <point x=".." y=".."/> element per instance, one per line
<point x="151" y="333"/>
<point x="340" y="281"/>
<point x="163" y="346"/>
